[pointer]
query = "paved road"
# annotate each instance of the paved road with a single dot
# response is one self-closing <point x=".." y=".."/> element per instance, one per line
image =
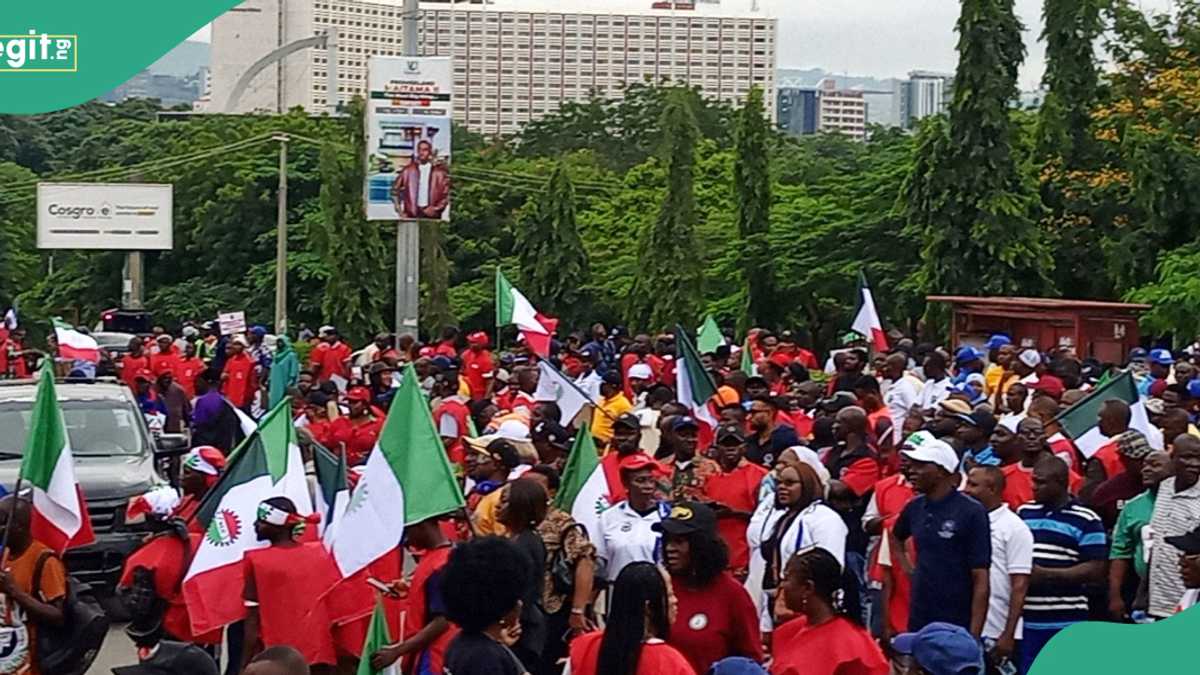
<point x="118" y="650"/>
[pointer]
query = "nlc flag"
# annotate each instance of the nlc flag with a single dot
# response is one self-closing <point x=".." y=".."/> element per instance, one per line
<point x="694" y="387"/>
<point x="267" y="464"/>
<point x="513" y="308"/>
<point x="407" y="479"/>
<point x="866" y="319"/>
<point x="59" y="517"/>
<point x="75" y="345"/>
<point x="584" y="492"/>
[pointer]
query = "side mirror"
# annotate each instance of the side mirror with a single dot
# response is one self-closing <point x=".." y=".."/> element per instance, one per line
<point x="171" y="445"/>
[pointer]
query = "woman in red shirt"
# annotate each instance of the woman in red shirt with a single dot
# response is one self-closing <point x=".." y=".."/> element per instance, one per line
<point x="827" y="638"/>
<point x="640" y="613"/>
<point x="358" y="432"/>
<point x="716" y="617"/>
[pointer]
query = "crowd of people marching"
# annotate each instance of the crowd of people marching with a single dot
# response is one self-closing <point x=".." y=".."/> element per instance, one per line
<point x="918" y="506"/>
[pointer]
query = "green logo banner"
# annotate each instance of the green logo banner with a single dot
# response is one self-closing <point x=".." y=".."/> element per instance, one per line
<point x="57" y="54"/>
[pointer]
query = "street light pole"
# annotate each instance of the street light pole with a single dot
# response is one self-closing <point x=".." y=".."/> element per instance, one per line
<point x="281" y="241"/>
<point x="408" y="234"/>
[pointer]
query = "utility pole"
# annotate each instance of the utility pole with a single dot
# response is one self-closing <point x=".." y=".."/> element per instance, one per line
<point x="281" y="241"/>
<point x="408" y="233"/>
<point x="132" y="293"/>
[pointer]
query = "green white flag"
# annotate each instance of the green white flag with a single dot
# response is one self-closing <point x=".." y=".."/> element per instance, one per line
<point x="584" y="489"/>
<point x="709" y="337"/>
<point x="378" y="637"/>
<point x="407" y="479"/>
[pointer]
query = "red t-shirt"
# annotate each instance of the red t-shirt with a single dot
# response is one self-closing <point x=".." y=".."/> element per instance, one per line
<point x="241" y="382"/>
<point x="186" y="371"/>
<point x="334" y="361"/>
<point x="861" y="475"/>
<point x="892" y="494"/>
<point x="457" y="410"/>
<point x="628" y="361"/>
<point x="1018" y="485"/>
<point x="445" y="349"/>
<point x="165" y="556"/>
<point x="1110" y="460"/>
<point x="478" y="368"/>
<point x="658" y="657"/>
<point x="430" y="564"/>
<point x="164" y="362"/>
<point x="714" y="622"/>
<point x="130" y="365"/>
<point x="838" y="646"/>
<point x="356" y="440"/>
<point x="737" y="489"/>
<point x="291" y="584"/>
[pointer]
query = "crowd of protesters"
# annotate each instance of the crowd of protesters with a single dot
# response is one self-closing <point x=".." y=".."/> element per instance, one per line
<point x="921" y="505"/>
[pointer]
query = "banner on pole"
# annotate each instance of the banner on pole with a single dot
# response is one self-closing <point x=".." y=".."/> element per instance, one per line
<point x="409" y="108"/>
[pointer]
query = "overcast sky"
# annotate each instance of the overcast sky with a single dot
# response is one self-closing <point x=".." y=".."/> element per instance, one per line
<point x="881" y="38"/>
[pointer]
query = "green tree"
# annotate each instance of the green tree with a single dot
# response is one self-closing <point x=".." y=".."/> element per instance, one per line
<point x="1070" y="29"/>
<point x="554" y="264"/>
<point x="669" y="283"/>
<point x="357" y="289"/>
<point x="968" y="198"/>
<point x="752" y="188"/>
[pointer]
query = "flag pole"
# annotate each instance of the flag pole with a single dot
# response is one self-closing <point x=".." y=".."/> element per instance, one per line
<point x="12" y="511"/>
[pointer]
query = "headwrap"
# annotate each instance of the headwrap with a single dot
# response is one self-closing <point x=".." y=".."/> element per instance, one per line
<point x="159" y="502"/>
<point x="277" y="516"/>
<point x="205" y="459"/>
<point x="1133" y="444"/>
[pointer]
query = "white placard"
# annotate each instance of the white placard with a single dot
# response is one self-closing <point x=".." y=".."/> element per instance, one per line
<point x="409" y="107"/>
<point x="107" y="216"/>
<point x="232" y="323"/>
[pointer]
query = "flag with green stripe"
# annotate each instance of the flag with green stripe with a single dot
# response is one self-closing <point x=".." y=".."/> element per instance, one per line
<point x="1081" y="422"/>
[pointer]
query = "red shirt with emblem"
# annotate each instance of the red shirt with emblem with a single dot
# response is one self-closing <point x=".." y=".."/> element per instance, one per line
<point x="714" y="622"/>
<point x="130" y="365"/>
<point x="240" y="381"/>
<point x="478" y="369"/>
<point x="738" y="490"/>
<point x="1018" y="485"/>
<point x="836" y="647"/>
<point x="186" y="371"/>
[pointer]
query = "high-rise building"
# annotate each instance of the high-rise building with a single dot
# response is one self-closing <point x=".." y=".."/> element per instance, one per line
<point x="822" y="109"/>
<point x="514" y="60"/>
<point x="924" y="94"/>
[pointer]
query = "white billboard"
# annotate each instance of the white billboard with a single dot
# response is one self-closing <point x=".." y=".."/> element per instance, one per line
<point x="409" y="106"/>
<point x="107" y="216"/>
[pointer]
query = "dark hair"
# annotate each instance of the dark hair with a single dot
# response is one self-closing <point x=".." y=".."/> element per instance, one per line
<point x="550" y="410"/>
<point x="329" y="387"/>
<point x="994" y="475"/>
<point x="550" y="473"/>
<point x="1181" y="390"/>
<point x="836" y="586"/>
<point x="289" y="657"/>
<point x="639" y="586"/>
<point x="483" y="581"/>
<point x="867" y="383"/>
<point x="798" y="372"/>
<point x="709" y="557"/>
<point x="526" y="504"/>
<point x="935" y="358"/>
<point x="768" y="399"/>
<point x="660" y="393"/>
<point x="822" y="432"/>
<point x="317" y="398"/>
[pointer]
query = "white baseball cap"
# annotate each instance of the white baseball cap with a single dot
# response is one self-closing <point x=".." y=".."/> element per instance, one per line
<point x="640" y="371"/>
<point x="1030" y="357"/>
<point x="936" y="452"/>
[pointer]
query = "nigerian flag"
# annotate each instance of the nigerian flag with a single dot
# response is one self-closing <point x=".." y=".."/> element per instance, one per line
<point x="378" y="637"/>
<point x="59" y="517"/>
<point x="747" y="365"/>
<point x="267" y="464"/>
<point x="584" y="489"/>
<point x="1081" y="422"/>
<point x="694" y="386"/>
<point x="709" y="337"/>
<point x="332" y="495"/>
<point x="407" y="479"/>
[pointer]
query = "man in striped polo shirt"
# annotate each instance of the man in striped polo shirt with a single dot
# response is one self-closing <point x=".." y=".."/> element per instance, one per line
<point x="1069" y="551"/>
<point x="1176" y="512"/>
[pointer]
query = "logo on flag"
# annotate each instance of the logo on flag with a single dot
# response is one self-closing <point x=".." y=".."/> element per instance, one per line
<point x="224" y="529"/>
<point x="602" y="504"/>
<point x="359" y="496"/>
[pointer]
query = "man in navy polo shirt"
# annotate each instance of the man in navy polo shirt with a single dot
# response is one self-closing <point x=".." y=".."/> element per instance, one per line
<point x="954" y="542"/>
<point x="1069" y="549"/>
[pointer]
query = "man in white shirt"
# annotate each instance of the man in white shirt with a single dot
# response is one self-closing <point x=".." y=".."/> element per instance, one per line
<point x="937" y="383"/>
<point x="900" y="392"/>
<point x="1012" y="563"/>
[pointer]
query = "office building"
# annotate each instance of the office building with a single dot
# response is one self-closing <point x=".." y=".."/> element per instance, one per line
<point x="514" y="60"/>
<point x="924" y="94"/>
<point x="824" y="108"/>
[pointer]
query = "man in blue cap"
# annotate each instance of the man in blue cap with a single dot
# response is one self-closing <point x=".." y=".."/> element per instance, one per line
<point x="941" y="649"/>
<point x="1160" y="362"/>
<point x="967" y="360"/>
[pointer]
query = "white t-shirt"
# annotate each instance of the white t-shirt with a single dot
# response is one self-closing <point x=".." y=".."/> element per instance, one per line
<point x="899" y="397"/>
<point x="424" y="171"/>
<point x="934" y="392"/>
<point x="1012" y="553"/>
<point x="626" y="537"/>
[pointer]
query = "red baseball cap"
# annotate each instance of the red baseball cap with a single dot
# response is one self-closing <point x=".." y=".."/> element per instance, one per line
<point x="478" y="338"/>
<point x="144" y="374"/>
<point x="359" y="393"/>
<point x="639" y="461"/>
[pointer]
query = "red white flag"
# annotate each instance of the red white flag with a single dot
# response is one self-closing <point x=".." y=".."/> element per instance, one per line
<point x="866" y="319"/>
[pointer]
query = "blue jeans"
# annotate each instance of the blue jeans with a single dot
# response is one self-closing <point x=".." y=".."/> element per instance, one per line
<point x="1032" y="641"/>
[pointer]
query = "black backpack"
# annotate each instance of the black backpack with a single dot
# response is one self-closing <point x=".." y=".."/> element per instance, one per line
<point x="70" y="648"/>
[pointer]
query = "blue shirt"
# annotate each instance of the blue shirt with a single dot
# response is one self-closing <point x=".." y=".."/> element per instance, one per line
<point x="953" y="537"/>
<point x="1062" y="537"/>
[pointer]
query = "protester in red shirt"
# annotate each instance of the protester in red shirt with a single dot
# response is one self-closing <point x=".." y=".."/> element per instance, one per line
<point x="425" y="650"/>
<point x="448" y="346"/>
<point x="166" y="359"/>
<point x="788" y="352"/>
<point x="238" y="381"/>
<point x="640" y="613"/>
<point x="356" y="434"/>
<point x="827" y="638"/>
<point x="202" y="466"/>
<point x="187" y="369"/>
<point x="477" y="366"/>
<point x="734" y="494"/>
<point x="888" y="498"/>
<point x="1018" y="476"/>
<point x="331" y="357"/>
<point x="135" y="361"/>
<point x="852" y="461"/>
<point x="716" y="617"/>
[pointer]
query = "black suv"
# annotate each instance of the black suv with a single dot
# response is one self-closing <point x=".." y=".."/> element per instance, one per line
<point x="114" y="460"/>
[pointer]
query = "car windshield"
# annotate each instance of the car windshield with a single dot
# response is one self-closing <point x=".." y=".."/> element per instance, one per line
<point x="97" y="428"/>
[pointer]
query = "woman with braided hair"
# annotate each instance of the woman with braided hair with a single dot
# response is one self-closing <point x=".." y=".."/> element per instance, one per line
<point x="827" y="638"/>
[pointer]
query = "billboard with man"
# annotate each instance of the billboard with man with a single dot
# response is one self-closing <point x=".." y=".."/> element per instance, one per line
<point x="409" y="107"/>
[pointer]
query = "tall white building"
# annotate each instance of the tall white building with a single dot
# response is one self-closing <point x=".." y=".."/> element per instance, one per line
<point x="514" y="60"/>
<point x="924" y="94"/>
<point x="841" y="111"/>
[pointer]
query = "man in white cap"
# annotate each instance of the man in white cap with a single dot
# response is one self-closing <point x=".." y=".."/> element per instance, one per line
<point x="952" y="534"/>
<point x="640" y="376"/>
